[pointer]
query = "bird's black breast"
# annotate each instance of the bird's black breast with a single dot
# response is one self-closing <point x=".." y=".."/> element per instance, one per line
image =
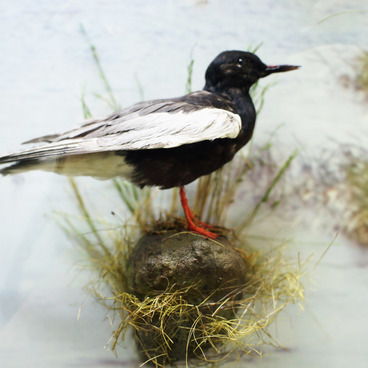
<point x="178" y="166"/>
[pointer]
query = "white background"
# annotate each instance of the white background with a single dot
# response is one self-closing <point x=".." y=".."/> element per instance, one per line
<point x="46" y="63"/>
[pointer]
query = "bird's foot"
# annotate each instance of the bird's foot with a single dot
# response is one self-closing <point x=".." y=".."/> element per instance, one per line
<point x="200" y="227"/>
<point x="200" y="230"/>
<point x="203" y="224"/>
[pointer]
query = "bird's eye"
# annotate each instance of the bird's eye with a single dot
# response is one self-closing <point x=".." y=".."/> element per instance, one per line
<point x="240" y="62"/>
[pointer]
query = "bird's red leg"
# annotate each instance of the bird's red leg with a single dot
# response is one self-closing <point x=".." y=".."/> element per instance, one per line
<point x="190" y="218"/>
<point x="188" y="212"/>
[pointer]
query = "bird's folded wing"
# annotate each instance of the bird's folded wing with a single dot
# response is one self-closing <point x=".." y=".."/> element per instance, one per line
<point x="134" y="131"/>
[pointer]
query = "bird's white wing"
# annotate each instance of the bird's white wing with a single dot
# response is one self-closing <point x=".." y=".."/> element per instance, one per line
<point x="162" y="129"/>
<point x="169" y="129"/>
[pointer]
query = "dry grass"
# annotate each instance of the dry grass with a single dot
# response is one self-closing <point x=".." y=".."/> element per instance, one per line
<point x="272" y="285"/>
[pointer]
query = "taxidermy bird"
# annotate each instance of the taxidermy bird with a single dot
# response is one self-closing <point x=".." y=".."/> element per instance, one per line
<point x="167" y="142"/>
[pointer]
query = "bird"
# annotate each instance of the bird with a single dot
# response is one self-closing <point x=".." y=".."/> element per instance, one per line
<point x="164" y="142"/>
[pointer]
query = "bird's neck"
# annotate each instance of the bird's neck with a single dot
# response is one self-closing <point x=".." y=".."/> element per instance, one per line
<point x="243" y="103"/>
<point x="243" y="106"/>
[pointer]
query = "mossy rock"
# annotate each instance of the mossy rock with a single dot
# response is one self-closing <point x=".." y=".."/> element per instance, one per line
<point x="211" y="272"/>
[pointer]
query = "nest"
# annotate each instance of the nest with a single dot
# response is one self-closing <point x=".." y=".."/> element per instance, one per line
<point x="182" y="322"/>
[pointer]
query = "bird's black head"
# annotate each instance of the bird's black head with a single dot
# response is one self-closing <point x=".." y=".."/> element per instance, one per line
<point x="238" y="69"/>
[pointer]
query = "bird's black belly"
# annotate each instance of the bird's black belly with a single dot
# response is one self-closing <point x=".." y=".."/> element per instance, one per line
<point x="178" y="166"/>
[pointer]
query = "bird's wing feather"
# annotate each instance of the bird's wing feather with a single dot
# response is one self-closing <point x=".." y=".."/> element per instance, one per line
<point x="144" y="126"/>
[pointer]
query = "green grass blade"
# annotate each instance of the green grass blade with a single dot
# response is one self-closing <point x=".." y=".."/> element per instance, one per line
<point x="265" y="197"/>
<point x="83" y="209"/>
<point x="102" y="74"/>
